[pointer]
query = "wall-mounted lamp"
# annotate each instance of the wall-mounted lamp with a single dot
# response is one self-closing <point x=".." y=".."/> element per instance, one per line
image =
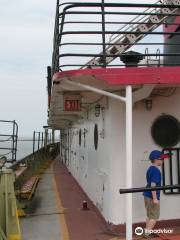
<point x="148" y="104"/>
<point x="97" y="110"/>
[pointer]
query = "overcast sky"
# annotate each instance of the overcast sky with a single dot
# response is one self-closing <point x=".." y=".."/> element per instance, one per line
<point x="26" y="39"/>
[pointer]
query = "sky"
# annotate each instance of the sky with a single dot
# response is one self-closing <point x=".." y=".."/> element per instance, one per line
<point x="26" y="40"/>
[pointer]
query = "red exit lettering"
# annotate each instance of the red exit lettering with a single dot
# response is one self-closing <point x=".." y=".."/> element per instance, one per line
<point x="72" y="105"/>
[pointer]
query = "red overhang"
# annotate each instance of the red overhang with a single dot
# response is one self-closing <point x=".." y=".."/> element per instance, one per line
<point x="123" y="76"/>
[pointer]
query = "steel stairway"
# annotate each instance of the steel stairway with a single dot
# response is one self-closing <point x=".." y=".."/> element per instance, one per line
<point x="142" y="25"/>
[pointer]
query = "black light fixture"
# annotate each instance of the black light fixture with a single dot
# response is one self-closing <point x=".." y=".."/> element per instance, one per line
<point x="148" y="104"/>
<point x="97" y="110"/>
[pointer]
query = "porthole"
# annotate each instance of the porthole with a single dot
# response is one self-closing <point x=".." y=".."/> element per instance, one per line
<point x="96" y="136"/>
<point x="165" y="131"/>
<point x="80" y="138"/>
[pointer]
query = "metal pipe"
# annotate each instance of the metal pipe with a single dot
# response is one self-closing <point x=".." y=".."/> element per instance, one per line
<point x="118" y="55"/>
<point x="178" y="168"/>
<point x="13" y="141"/>
<point x="39" y="139"/>
<point x="6" y="203"/>
<point x="46" y="137"/>
<point x="16" y="139"/>
<point x="60" y="140"/>
<point x="163" y="175"/>
<point x="122" y="32"/>
<point x="114" y="44"/>
<point x="113" y="22"/>
<point x="129" y="161"/>
<point x="119" y="13"/>
<point x="123" y="5"/>
<point x="96" y="90"/>
<point x="117" y="65"/>
<point x="42" y="139"/>
<point x="170" y="169"/>
<point x="34" y="141"/>
<point x="146" y="189"/>
<point x="103" y="34"/>
<point x="49" y="138"/>
<point x="53" y="136"/>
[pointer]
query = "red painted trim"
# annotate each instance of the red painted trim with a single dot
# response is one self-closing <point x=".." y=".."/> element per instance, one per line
<point x="172" y="28"/>
<point x="170" y="223"/>
<point x="125" y="76"/>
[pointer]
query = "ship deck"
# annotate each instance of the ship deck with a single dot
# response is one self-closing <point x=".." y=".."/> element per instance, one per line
<point x="56" y="212"/>
<point x="42" y="220"/>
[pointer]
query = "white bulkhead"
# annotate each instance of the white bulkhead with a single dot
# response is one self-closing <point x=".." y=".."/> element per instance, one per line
<point x="101" y="172"/>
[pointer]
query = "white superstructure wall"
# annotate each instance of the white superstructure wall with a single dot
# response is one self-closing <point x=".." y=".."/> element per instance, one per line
<point x="101" y="172"/>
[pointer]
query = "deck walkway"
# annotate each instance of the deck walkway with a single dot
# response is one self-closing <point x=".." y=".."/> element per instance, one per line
<point x="85" y="225"/>
<point x="42" y="222"/>
<point x="56" y="213"/>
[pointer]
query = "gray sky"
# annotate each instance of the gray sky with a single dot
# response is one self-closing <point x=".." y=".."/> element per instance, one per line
<point x="26" y="39"/>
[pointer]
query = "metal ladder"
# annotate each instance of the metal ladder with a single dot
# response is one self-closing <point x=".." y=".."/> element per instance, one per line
<point x="143" y="24"/>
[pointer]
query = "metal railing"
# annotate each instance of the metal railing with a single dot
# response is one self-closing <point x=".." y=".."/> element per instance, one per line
<point x="171" y="170"/>
<point x="147" y="189"/>
<point x="38" y="140"/>
<point x="89" y="34"/>
<point x="34" y="162"/>
<point x="10" y="186"/>
<point x="8" y="141"/>
<point x="170" y="175"/>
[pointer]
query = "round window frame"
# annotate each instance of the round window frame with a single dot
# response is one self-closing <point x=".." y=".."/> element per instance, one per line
<point x="157" y="142"/>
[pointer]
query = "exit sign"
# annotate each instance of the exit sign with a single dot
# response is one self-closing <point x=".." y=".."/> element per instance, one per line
<point x="72" y="103"/>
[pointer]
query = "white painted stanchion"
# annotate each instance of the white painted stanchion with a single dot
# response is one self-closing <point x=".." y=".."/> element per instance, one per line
<point x="129" y="162"/>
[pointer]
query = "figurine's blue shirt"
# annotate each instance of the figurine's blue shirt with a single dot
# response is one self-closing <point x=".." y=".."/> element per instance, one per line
<point x="153" y="175"/>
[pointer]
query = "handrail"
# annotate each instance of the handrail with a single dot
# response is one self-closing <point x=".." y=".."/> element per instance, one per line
<point x="147" y="189"/>
<point x="110" y="44"/>
<point x="12" y="139"/>
<point x="138" y="19"/>
<point x="132" y="29"/>
<point x="32" y="155"/>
